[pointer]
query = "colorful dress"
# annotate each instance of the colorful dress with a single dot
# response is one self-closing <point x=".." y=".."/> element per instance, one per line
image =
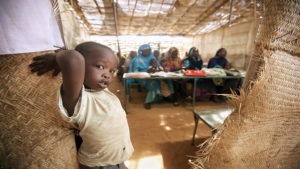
<point x="168" y="63"/>
<point x="140" y="64"/>
<point x="205" y="87"/>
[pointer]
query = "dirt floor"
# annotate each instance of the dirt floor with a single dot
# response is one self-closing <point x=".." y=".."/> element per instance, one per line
<point x="162" y="135"/>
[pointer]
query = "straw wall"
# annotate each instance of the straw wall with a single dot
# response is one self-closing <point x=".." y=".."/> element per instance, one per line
<point x="32" y="134"/>
<point x="237" y="39"/>
<point x="264" y="131"/>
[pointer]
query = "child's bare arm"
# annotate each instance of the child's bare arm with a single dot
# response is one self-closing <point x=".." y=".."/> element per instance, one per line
<point x="72" y="65"/>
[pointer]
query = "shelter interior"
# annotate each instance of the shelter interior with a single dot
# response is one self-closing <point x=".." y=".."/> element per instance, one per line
<point x="162" y="137"/>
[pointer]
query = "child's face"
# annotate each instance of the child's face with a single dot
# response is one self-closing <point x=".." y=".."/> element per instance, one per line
<point x="100" y="66"/>
<point x="156" y="53"/>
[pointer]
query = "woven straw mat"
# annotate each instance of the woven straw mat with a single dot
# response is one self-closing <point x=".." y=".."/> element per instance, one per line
<point x="32" y="134"/>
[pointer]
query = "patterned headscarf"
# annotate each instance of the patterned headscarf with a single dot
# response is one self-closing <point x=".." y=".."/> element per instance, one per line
<point x="191" y="62"/>
<point x="172" y="49"/>
<point x="190" y="54"/>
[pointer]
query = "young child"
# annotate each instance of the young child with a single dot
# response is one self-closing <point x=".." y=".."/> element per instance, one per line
<point x="154" y="67"/>
<point x="86" y="103"/>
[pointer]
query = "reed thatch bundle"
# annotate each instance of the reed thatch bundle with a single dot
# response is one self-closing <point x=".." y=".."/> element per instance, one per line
<point x="264" y="130"/>
<point x="32" y="134"/>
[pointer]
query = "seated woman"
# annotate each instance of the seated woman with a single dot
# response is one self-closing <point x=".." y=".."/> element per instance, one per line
<point x="219" y="60"/>
<point x="171" y="62"/>
<point x="140" y="64"/>
<point x="193" y="61"/>
<point x="166" y="85"/>
<point x="222" y="86"/>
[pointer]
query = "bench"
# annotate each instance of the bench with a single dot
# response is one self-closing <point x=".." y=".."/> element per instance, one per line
<point x="212" y="117"/>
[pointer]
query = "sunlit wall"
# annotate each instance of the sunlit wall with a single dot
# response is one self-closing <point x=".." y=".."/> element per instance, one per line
<point x="161" y="43"/>
<point x="238" y="40"/>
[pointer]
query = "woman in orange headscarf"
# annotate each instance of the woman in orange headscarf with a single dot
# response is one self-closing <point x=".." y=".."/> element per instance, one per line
<point x="171" y="62"/>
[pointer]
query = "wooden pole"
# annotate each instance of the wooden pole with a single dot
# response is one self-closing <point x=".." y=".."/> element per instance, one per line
<point x="116" y="27"/>
<point x="229" y="23"/>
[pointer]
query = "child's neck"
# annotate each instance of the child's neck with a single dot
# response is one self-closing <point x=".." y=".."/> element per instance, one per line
<point x="86" y="87"/>
<point x="90" y="89"/>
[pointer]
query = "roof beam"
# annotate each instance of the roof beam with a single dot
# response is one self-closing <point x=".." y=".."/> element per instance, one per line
<point x="131" y="16"/>
<point x="188" y="8"/>
<point x="98" y="8"/>
<point x="206" y="14"/>
<point x="247" y="16"/>
<point x="157" y="15"/>
<point x="230" y="12"/>
<point x="116" y="26"/>
<point x="74" y="4"/>
<point x="147" y="16"/>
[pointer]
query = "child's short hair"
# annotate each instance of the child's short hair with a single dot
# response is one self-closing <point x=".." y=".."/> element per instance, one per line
<point x="87" y="47"/>
<point x="153" y="60"/>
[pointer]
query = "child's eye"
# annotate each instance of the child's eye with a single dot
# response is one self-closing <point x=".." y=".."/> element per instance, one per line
<point x="100" y="67"/>
<point x="112" y="71"/>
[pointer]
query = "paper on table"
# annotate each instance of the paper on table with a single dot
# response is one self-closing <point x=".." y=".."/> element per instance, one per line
<point x="166" y="74"/>
<point x="138" y="75"/>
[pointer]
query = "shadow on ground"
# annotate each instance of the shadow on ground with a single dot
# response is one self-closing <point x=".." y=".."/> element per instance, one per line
<point x="182" y="151"/>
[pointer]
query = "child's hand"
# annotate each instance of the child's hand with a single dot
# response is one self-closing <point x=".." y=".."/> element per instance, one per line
<point x="44" y="63"/>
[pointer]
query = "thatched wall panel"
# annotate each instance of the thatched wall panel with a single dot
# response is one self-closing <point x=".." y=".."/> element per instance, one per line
<point x="264" y="131"/>
<point x="32" y="132"/>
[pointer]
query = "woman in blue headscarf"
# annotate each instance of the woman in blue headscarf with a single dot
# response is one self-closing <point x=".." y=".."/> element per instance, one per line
<point x="140" y="64"/>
